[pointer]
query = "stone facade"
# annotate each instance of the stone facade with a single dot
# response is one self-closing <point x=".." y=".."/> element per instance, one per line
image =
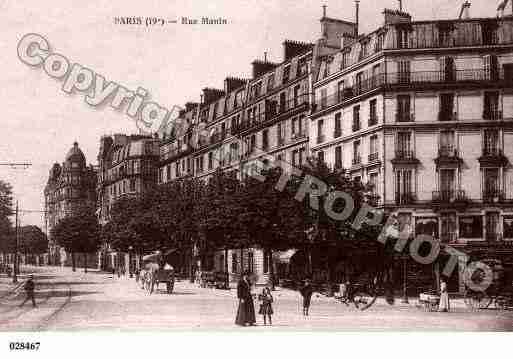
<point x="423" y="111"/>
<point x="69" y="185"/>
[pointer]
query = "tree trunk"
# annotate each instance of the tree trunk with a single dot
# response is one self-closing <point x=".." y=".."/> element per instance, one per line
<point x="226" y="268"/>
<point x="73" y="268"/>
<point x="271" y="268"/>
<point x="241" y="262"/>
<point x="85" y="262"/>
<point x="329" y="291"/>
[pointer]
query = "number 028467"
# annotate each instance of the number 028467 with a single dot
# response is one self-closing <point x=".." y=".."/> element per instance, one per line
<point x="24" y="346"/>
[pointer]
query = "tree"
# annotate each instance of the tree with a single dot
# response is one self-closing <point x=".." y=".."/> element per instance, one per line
<point x="6" y="211"/>
<point x="78" y="233"/>
<point x="32" y="241"/>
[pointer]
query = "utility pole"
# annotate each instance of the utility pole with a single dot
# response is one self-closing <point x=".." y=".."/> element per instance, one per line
<point x="400" y="5"/>
<point x="15" y="269"/>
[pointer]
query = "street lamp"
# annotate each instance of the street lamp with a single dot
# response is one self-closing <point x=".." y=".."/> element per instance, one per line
<point x="130" y="261"/>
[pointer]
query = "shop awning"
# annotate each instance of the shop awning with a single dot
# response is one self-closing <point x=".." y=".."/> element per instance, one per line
<point x="285" y="256"/>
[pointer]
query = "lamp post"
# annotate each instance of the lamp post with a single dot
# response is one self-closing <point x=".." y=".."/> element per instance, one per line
<point x="15" y="267"/>
<point x="130" y="271"/>
<point x="405" y="279"/>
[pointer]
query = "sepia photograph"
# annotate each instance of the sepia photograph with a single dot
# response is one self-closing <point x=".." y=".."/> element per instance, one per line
<point x="272" y="166"/>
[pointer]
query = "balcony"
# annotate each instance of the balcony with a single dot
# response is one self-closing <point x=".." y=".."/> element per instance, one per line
<point x="449" y="237"/>
<point x="357" y="160"/>
<point x="373" y="157"/>
<point x="493" y="237"/>
<point x="493" y="195"/>
<point x="404" y="117"/>
<point x="448" y="157"/>
<point x="493" y="157"/>
<point x="447" y="116"/>
<point x="492" y="115"/>
<point x="449" y="199"/>
<point x="469" y="76"/>
<point x="405" y="198"/>
<point x="405" y="157"/>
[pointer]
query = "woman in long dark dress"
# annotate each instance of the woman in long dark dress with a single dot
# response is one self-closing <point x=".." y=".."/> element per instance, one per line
<point x="246" y="309"/>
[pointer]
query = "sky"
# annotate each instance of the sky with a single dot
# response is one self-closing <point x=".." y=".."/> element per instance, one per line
<point x="40" y="122"/>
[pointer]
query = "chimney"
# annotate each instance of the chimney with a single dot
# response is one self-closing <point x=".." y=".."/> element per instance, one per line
<point x="211" y="94"/>
<point x="357" y="18"/>
<point x="232" y="83"/>
<point x="333" y="29"/>
<point x="294" y="48"/>
<point x="261" y="67"/>
<point x="396" y="17"/>
<point x="189" y="106"/>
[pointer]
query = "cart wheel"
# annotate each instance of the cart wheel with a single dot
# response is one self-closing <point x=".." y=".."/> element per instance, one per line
<point x="363" y="300"/>
<point x="500" y="303"/>
<point x="478" y="300"/>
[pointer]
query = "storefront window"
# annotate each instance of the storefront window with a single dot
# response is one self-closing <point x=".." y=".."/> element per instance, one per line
<point x="471" y="227"/>
<point x="426" y="226"/>
<point x="508" y="227"/>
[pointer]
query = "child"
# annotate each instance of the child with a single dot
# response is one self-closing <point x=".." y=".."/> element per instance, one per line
<point x="306" y="293"/>
<point x="266" y="309"/>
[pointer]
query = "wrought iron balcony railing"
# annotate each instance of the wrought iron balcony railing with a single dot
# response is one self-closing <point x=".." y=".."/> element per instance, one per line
<point x="448" y="151"/>
<point x="492" y="114"/>
<point x="447" y="116"/>
<point x="404" y="155"/>
<point x="449" y="196"/>
<point x="402" y="198"/>
<point x="373" y="157"/>
<point x="357" y="160"/>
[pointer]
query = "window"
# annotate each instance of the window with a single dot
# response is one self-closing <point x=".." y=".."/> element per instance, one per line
<point x="357" y="159"/>
<point x="338" y="125"/>
<point x="280" y="134"/>
<point x="448" y="69"/>
<point x="447" y="148"/>
<point x="234" y="262"/>
<point x="359" y="83"/>
<point x="471" y="227"/>
<point x="491" y="184"/>
<point x="345" y="60"/>
<point x="373" y="182"/>
<point x="265" y="139"/>
<point x="132" y="184"/>
<point x="373" y="148"/>
<point x="297" y="101"/>
<point x="447" y="184"/>
<point x="491" y="106"/>
<point x="373" y="116"/>
<point x="356" y="118"/>
<point x="403" y="186"/>
<point x="295" y="158"/>
<point x="302" y="151"/>
<point x="404" y="71"/>
<point x="380" y="41"/>
<point x="338" y="157"/>
<point x="283" y="102"/>
<point x="251" y="262"/>
<point x="210" y="160"/>
<point x="324" y="98"/>
<point x="402" y="38"/>
<point x="491" y="67"/>
<point x="286" y="74"/>
<point x="445" y="35"/>
<point x="297" y="127"/>
<point x="320" y="156"/>
<point x="320" y="131"/>
<point x="404" y="109"/>
<point x="403" y="149"/>
<point x="161" y="173"/>
<point x="447" y="107"/>
<point x="489" y="33"/>
<point x="168" y="173"/>
<point x="256" y="90"/>
<point x="216" y="108"/>
<point x="492" y="226"/>
<point x="252" y="143"/>
<point x="302" y="67"/>
<point x="448" y="227"/>
<point x="490" y="142"/>
<point x="270" y="82"/>
<point x="340" y="90"/>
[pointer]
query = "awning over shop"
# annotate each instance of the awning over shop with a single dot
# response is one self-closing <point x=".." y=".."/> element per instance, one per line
<point x="285" y="256"/>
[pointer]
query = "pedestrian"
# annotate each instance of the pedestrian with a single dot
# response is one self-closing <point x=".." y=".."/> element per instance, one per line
<point x="266" y="308"/>
<point x="306" y="293"/>
<point x="246" y="309"/>
<point x="444" y="297"/>
<point x="29" y="290"/>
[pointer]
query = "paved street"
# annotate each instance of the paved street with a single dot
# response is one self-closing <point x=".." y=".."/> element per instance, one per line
<point x="79" y="301"/>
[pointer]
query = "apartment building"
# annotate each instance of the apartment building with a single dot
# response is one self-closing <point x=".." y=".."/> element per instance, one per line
<point x="423" y="111"/>
<point x="69" y="185"/>
<point x="128" y="166"/>
<point x="247" y="120"/>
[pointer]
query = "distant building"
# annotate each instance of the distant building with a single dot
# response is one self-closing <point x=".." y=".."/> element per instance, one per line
<point x="69" y="185"/>
<point x="127" y="167"/>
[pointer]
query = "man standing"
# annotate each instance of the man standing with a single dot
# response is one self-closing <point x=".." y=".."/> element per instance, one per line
<point x="306" y="293"/>
<point x="29" y="289"/>
<point x="246" y="309"/>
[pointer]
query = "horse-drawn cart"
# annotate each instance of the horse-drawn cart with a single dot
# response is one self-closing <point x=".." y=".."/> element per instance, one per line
<point x="154" y="273"/>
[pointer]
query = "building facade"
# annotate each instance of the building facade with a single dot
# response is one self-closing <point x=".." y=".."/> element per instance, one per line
<point x="69" y="185"/>
<point x="247" y="121"/>
<point x="423" y="111"/>
<point x="127" y="166"/>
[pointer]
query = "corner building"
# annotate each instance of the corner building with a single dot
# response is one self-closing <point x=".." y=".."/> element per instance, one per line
<point x="423" y="110"/>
